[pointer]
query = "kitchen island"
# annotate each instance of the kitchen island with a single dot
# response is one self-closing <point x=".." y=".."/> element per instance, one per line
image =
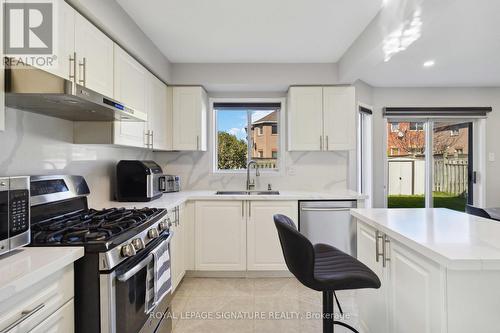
<point x="440" y="271"/>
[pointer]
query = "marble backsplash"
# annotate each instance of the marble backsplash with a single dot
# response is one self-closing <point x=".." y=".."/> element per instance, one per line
<point x="33" y="144"/>
<point x="313" y="171"/>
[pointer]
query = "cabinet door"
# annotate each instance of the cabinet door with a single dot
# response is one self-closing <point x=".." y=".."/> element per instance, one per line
<point x="61" y="321"/>
<point x="339" y="110"/>
<point x="416" y="292"/>
<point x="131" y="81"/>
<point x="263" y="246"/>
<point x="158" y="117"/>
<point x="372" y="303"/>
<point x="189" y="118"/>
<point x="177" y="258"/>
<point x="94" y="49"/>
<point x="64" y="46"/>
<point x="220" y="234"/>
<point x="305" y="118"/>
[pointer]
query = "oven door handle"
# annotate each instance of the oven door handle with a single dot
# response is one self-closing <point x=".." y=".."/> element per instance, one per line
<point x="143" y="263"/>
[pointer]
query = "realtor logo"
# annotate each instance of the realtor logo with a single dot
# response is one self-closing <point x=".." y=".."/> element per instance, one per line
<point x="28" y="28"/>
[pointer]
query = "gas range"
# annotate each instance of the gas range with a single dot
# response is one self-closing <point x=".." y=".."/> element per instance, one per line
<point x="120" y="246"/>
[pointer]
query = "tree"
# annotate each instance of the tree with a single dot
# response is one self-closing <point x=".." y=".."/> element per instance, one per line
<point x="231" y="152"/>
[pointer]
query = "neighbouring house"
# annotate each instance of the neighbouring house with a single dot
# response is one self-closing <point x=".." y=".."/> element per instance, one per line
<point x="264" y="132"/>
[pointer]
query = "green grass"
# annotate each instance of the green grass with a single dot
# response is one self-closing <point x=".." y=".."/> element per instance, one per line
<point x="441" y="199"/>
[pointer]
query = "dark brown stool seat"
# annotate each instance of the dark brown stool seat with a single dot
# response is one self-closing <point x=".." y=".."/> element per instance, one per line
<point x="323" y="268"/>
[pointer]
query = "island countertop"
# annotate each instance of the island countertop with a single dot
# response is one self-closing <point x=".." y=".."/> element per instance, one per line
<point x="453" y="239"/>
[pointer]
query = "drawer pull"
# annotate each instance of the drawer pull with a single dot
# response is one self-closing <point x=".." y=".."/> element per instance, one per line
<point x="24" y="316"/>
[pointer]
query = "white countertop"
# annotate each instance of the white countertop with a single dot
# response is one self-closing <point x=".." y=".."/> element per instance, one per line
<point x="453" y="239"/>
<point x="169" y="200"/>
<point x="24" y="267"/>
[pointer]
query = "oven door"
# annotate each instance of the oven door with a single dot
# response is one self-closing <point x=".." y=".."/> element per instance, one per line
<point x="123" y="296"/>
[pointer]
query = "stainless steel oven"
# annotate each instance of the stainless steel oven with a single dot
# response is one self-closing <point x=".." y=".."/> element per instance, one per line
<point x="124" y="292"/>
<point x="14" y="213"/>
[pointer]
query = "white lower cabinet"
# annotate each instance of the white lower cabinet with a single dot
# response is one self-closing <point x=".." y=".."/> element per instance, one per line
<point x="263" y="245"/>
<point x="220" y="236"/>
<point x="178" y="257"/>
<point x="412" y="297"/>
<point x="45" y="306"/>
<point x="239" y="235"/>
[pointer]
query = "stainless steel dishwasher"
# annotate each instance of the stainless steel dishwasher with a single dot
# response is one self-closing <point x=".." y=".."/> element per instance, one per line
<point x="329" y="222"/>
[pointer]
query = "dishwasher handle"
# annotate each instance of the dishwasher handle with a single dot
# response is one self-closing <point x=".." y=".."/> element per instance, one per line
<point x="324" y="209"/>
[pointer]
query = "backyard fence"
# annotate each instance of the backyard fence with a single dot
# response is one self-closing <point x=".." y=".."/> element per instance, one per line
<point x="450" y="175"/>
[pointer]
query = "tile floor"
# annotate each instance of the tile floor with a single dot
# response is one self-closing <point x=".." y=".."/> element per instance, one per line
<point x="285" y="299"/>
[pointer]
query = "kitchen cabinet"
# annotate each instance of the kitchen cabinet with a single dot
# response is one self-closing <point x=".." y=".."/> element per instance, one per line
<point x="159" y="115"/>
<point x="263" y="245"/>
<point x="220" y="236"/>
<point x="94" y="57"/>
<point x="190" y="106"/>
<point x="48" y="301"/>
<point x="321" y="118"/>
<point x="177" y="264"/>
<point x="411" y="298"/>
<point x="131" y="83"/>
<point x="2" y="72"/>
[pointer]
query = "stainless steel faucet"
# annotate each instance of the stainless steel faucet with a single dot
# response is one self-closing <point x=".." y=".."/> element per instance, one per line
<point x="251" y="182"/>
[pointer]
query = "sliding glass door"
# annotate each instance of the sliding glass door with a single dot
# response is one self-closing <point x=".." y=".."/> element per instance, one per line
<point x="419" y="176"/>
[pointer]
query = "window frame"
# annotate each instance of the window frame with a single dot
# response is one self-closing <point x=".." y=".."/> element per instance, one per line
<point x="281" y="161"/>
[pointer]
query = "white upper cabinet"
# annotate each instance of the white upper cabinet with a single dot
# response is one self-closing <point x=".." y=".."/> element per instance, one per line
<point x="159" y="115"/>
<point x="339" y="108"/>
<point x="131" y="82"/>
<point x="190" y="118"/>
<point x="321" y="118"/>
<point x="94" y="57"/>
<point x="305" y="118"/>
<point x="64" y="46"/>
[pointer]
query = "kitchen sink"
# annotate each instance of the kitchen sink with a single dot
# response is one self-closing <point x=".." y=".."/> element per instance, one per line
<point x="247" y="193"/>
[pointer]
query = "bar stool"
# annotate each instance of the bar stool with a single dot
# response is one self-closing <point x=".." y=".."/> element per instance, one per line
<point x="323" y="268"/>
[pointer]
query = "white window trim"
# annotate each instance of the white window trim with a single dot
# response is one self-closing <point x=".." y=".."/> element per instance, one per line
<point x="281" y="131"/>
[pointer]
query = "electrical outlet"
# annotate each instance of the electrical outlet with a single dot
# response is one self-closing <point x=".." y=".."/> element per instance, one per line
<point x="491" y="157"/>
<point x="291" y="171"/>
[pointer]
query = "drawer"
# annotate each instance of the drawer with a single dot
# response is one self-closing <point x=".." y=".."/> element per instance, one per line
<point x="61" y="321"/>
<point x="24" y="311"/>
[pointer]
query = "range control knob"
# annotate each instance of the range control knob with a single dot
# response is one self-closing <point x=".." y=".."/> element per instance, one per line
<point x="128" y="250"/>
<point x="163" y="225"/>
<point x="138" y="244"/>
<point x="153" y="233"/>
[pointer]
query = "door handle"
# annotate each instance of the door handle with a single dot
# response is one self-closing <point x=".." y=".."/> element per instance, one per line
<point x="325" y="209"/>
<point x="24" y="316"/>
<point x="378" y="237"/>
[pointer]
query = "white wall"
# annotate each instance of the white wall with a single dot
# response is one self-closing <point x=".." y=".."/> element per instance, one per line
<point x="439" y="97"/>
<point x="110" y="17"/>
<point x="248" y="78"/>
<point x="33" y="144"/>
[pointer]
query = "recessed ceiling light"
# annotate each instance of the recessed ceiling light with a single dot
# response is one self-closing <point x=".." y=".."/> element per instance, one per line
<point x="429" y="63"/>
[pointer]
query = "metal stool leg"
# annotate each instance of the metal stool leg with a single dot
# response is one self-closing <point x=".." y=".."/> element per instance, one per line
<point x="328" y="315"/>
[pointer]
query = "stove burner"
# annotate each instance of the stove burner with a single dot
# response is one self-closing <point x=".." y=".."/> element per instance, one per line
<point x="90" y="225"/>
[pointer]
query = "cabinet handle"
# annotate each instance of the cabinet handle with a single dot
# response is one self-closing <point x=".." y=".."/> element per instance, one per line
<point x="249" y="209"/>
<point x="72" y="66"/>
<point x="82" y="65"/>
<point x="24" y="316"/>
<point x="378" y="237"/>
<point x="146" y="139"/>
<point x="152" y="139"/>
<point x="327" y="142"/>
<point x="197" y="142"/>
<point x="319" y="209"/>
<point x="321" y="142"/>
<point x="243" y="209"/>
<point x="385" y="241"/>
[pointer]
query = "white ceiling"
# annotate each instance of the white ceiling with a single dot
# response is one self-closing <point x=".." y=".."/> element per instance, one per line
<point x="255" y="31"/>
<point x="461" y="36"/>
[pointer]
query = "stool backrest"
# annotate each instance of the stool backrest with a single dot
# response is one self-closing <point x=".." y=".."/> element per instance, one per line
<point x="297" y="249"/>
<point x="469" y="209"/>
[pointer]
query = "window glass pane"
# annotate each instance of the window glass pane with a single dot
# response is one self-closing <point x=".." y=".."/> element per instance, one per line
<point x="265" y="138"/>
<point x="232" y="141"/>
<point x="406" y="165"/>
<point x="450" y="165"/>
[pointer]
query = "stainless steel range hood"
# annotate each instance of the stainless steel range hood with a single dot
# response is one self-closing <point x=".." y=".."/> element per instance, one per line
<point x="32" y="89"/>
